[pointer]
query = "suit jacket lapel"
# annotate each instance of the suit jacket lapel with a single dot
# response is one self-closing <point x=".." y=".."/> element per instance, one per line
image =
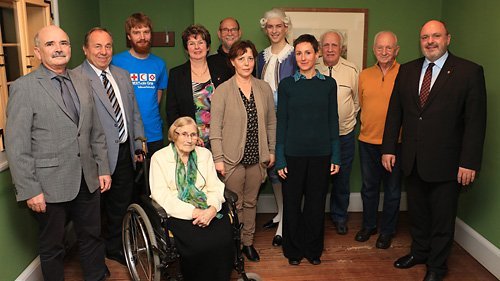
<point x="52" y="91"/>
<point x="443" y="76"/>
<point x="98" y="88"/>
<point x="121" y="80"/>
<point x="417" y="71"/>
<point x="80" y="89"/>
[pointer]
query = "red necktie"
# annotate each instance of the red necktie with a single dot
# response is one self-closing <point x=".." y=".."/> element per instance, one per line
<point x="426" y="85"/>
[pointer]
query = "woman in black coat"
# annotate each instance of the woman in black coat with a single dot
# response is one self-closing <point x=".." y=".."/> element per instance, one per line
<point x="192" y="84"/>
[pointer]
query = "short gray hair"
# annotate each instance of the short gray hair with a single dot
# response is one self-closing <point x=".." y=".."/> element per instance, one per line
<point x="332" y="31"/>
<point x="384" y="31"/>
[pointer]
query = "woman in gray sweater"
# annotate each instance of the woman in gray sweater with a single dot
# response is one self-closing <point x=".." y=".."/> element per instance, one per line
<point x="242" y="136"/>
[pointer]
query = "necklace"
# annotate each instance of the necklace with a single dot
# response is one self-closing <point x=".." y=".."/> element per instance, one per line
<point x="200" y="74"/>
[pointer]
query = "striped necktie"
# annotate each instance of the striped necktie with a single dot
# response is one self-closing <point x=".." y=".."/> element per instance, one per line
<point x="426" y="85"/>
<point x="116" y="106"/>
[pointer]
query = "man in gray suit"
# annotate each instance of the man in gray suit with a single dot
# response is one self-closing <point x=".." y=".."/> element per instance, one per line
<point x="119" y="114"/>
<point x="57" y="155"/>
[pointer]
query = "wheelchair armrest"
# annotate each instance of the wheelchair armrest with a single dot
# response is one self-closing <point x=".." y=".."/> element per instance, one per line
<point x="159" y="209"/>
<point x="230" y="196"/>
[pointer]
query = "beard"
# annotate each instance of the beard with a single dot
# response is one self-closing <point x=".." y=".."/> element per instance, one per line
<point x="141" y="49"/>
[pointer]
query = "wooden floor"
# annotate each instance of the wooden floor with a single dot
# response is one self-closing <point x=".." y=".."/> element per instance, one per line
<point x="343" y="259"/>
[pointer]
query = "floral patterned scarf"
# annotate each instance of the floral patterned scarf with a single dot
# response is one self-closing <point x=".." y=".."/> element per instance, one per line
<point x="186" y="180"/>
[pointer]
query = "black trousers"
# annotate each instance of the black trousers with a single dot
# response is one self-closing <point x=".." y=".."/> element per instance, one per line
<point x="84" y="211"/>
<point x="206" y="253"/>
<point x="117" y="199"/>
<point x="303" y="228"/>
<point x="432" y="207"/>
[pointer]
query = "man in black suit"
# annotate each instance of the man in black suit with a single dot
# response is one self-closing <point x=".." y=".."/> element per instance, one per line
<point x="439" y="102"/>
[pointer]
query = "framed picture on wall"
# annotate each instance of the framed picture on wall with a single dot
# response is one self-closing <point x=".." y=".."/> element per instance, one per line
<point x="352" y="23"/>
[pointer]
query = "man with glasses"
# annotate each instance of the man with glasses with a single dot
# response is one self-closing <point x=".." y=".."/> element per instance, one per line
<point x="229" y="32"/>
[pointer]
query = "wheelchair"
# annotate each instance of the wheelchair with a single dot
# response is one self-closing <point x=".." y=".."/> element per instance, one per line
<point x="149" y="247"/>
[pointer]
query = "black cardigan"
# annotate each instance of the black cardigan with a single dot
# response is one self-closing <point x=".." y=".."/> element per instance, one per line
<point x="180" y="92"/>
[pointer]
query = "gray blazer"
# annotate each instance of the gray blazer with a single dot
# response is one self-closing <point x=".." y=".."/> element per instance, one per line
<point x="107" y="114"/>
<point x="47" y="152"/>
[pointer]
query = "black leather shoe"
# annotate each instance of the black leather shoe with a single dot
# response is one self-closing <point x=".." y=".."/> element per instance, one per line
<point x="407" y="262"/>
<point x="117" y="256"/>
<point x="314" y="261"/>
<point x="364" y="234"/>
<point x="433" y="276"/>
<point x="270" y="224"/>
<point x="250" y="253"/>
<point x="277" y="240"/>
<point x="384" y="241"/>
<point x="341" y="227"/>
<point x="294" y="261"/>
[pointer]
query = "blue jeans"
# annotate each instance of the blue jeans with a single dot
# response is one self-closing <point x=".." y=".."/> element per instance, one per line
<point x="339" y="198"/>
<point x="372" y="175"/>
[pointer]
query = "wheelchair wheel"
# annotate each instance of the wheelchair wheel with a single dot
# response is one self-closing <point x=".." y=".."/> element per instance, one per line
<point x="251" y="277"/>
<point x="138" y="243"/>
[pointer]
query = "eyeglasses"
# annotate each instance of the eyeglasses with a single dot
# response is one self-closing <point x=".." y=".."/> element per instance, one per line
<point x="187" y="135"/>
<point x="227" y="30"/>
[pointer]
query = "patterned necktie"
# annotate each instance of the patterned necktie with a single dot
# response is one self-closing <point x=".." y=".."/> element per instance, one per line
<point x="67" y="99"/>
<point x="426" y="85"/>
<point x="116" y="106"/>
<point x="330" y="70"/>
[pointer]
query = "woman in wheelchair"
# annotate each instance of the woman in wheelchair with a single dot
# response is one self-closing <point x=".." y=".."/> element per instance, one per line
<point x="184" y="182"/>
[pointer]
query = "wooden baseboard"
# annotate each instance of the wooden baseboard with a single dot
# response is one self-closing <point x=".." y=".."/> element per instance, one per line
<point x="479" y="247"/>
<point x="33" y="272"/>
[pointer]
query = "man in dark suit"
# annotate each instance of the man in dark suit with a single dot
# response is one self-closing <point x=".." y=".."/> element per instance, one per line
<point x="439" y="102"/>
<point x="57" y="155"/>
<point x="119" y="115"/>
